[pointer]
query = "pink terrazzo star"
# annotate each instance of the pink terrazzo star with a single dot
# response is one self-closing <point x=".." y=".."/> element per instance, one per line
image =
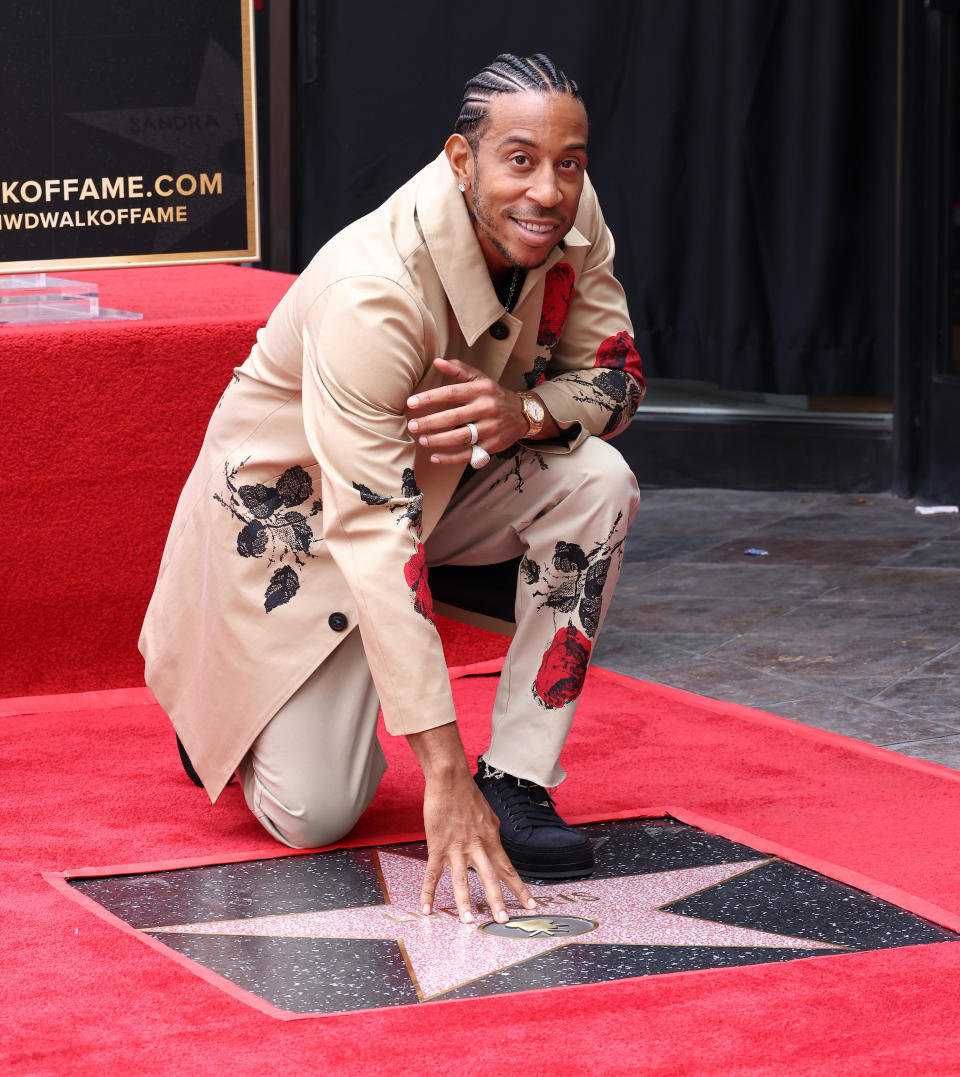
<point x="442" y="954"/>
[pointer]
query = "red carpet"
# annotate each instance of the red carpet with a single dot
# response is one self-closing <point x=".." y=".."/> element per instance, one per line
<point x="94" y="781"/>
<point x="102" y="424"/>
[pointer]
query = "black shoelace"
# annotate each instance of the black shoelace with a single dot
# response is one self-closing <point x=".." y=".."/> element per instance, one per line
<point x="522" y="808"/>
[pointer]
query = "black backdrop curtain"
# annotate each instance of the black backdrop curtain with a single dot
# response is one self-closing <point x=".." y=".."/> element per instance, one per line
<point x="743" y="151"/>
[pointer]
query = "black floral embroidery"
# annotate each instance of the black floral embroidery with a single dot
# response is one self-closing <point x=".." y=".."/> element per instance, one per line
<point x="627" y="394"/>
<point x="569" y="557"/>
<point x="252" y="540"/>
<point x="262" y="501"/>
<point x="573" y="580"/>
<point x="270" y="526"/>
<point x="294" y="486"/>
<point x="409" y="506"/>
<point x="283" y="585"/>
<point x="368" y="497"/>
<point x="613" y="391"/>
<point x="520" y="454"/>
<point x="529" y="571"/>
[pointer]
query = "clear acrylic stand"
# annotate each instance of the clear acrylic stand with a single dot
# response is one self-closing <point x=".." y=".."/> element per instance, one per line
<point x="35" y="298"/>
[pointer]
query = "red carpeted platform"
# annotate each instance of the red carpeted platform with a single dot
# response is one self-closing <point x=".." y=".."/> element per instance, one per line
<point x="93" y="780"/>
<point x="102" y="424"/>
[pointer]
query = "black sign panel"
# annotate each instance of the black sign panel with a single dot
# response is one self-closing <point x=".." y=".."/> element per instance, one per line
<point x="128" y="133"/>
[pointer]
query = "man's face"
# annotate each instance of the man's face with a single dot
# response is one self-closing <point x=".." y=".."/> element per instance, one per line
<point x="528" y="177"/>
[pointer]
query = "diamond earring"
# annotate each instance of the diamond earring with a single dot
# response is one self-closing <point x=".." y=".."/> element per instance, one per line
<point x="461" y="187"/>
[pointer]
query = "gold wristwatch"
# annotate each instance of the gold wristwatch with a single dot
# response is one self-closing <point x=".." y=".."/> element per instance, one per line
<point x="535" y="414"/>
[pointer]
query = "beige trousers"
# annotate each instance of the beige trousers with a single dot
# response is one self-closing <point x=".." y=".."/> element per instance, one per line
<point x="316" y="766"/>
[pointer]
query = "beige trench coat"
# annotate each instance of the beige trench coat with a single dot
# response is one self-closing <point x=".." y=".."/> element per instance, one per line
<point x="306" y="511"/>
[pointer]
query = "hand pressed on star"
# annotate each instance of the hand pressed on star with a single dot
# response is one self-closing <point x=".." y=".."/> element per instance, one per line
<point x="462" y="832"/>
<point x="461" y="829"/>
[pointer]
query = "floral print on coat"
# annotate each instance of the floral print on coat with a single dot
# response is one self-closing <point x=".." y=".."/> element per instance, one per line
<point x="271" y="528"/>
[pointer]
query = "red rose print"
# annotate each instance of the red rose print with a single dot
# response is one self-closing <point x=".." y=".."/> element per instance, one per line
<point x="415" y="573"/>
<point x="557" y="294"/>
<point x="620" y="353"/>
<point x="563" y="668"/>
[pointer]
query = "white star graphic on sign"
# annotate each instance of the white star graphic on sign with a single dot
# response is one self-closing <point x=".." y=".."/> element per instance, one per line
<point x="194" y="134"/>
<point x="442" y="954"/>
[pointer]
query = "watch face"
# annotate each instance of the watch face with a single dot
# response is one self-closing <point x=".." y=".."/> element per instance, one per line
<point x="533" y="409"/>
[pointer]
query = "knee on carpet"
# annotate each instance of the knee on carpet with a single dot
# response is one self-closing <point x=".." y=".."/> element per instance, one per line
<point x="312" y="832"/>
<point x="308" y="818"/>
<point x="318" y="825"/>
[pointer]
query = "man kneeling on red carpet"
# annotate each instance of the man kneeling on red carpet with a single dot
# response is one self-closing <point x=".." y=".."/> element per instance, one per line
<point x="436" y="387"/>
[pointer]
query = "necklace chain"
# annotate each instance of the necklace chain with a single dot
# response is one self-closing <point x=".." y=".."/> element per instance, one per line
<point x="513" y="287"/>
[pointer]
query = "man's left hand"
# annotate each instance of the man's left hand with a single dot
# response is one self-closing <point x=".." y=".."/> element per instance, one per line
<point x="474" y="398"/>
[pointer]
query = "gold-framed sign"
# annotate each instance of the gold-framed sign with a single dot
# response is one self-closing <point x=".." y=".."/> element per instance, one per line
<point x="129" y="134"/>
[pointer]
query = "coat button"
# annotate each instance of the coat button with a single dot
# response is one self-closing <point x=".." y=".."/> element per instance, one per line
<point x="499" y="331"/>
<point x="337" y="621"/>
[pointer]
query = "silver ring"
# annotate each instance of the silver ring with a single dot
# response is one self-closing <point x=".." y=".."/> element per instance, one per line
<point x="474" y="433"/>
<point x="479" y="457"/>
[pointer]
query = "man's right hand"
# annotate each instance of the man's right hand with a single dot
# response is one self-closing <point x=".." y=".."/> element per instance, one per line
<point x="462" y="830"/>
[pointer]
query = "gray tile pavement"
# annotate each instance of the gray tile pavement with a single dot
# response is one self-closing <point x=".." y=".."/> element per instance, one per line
<point x="851" y="622"/>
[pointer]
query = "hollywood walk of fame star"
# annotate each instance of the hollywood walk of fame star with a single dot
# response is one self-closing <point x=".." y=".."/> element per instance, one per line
<point x="442" y="954"/>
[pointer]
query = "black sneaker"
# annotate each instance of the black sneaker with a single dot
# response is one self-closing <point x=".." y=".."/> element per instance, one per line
<point x="539" y="843"/>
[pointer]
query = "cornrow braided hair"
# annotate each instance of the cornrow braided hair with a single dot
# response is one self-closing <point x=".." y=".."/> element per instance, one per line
<point x="508" y="74"/>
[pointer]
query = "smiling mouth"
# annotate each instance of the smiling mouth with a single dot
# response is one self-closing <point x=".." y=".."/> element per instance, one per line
<point x="536" y="229"/>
